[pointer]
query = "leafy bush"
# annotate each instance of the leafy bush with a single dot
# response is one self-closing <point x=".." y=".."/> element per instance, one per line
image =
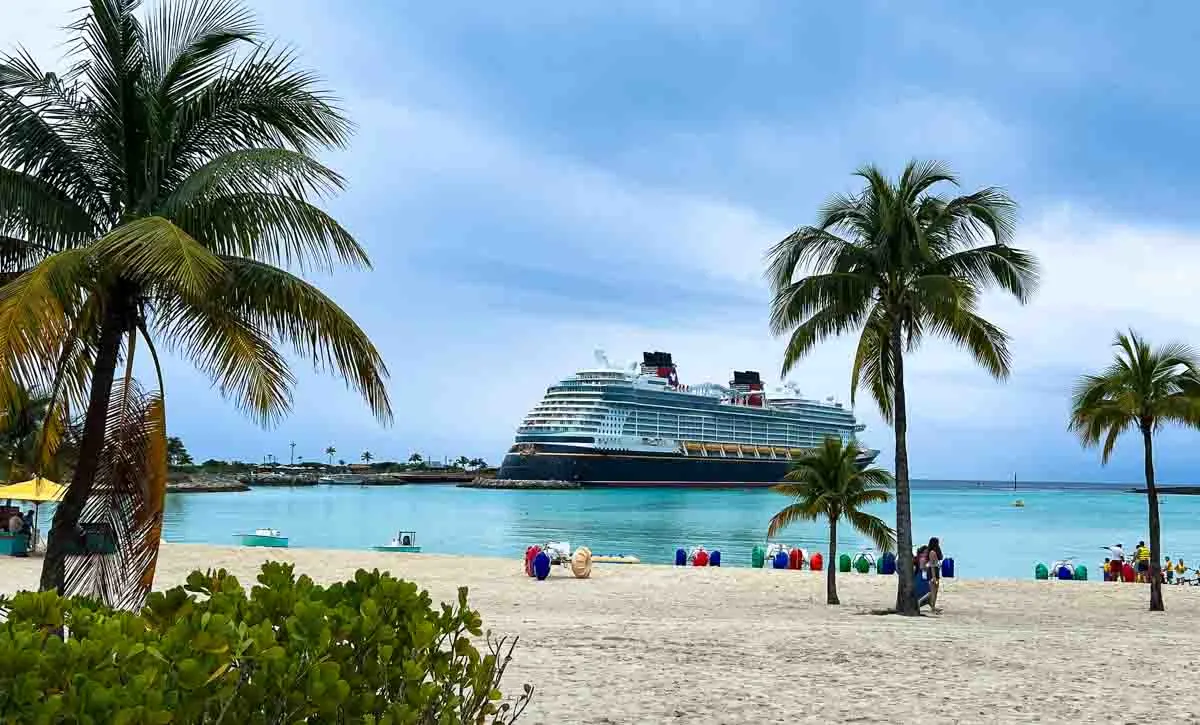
<point x="370" y="650"/>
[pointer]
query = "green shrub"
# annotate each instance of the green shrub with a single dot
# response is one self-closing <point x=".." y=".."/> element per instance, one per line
<point x="370" y="650"/>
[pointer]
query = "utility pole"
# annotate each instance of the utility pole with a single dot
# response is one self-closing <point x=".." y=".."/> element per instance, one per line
<point x="293" y="445"/>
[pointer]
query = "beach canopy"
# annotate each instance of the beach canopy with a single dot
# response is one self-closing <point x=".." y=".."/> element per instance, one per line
<point x="38" y="490"/>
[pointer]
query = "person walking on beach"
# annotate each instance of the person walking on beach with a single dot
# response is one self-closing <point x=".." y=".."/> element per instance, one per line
<point x="933" y="568"/>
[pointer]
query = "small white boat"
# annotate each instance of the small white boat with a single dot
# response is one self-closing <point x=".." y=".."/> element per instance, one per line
<point x="404" y="542"/>
<point x="265" y="537"/>
<point x="342" y="479"/>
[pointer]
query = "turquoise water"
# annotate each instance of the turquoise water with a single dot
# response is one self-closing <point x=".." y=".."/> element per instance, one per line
<point x="978" y="525"/>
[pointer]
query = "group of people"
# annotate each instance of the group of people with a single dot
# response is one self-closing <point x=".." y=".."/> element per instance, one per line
<point x="928" y="565"/>
<point x="1140" y="560"/>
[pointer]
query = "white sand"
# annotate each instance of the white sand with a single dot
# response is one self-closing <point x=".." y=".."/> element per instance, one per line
<point x="638" y="644"/>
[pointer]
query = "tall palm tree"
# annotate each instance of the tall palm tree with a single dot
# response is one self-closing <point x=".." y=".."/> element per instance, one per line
<point x="329" y="451"/>
<point x="366" y="456"/>
<point x="1143" y="389"/>
<point x="828" y="483"/>
<point x="162" y="189"/>
<point x="897" y="261"/>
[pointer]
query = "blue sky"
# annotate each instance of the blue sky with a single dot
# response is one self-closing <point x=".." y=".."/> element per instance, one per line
<point x="537" y="180"/>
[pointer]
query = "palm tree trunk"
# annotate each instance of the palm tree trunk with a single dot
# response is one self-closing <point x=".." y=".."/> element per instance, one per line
<point x="1156" y="594"/>
<point x="66" y="516"/>
<point x="906" y="602"/>
<point x="831" y="596"/>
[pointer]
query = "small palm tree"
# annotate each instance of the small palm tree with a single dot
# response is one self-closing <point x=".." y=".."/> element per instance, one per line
<point x="329" y="451"/>
<point x="899" y="262"/>
<point x="366" y="456"/>
<point x="828" y="483"/>
<point x="462" y="461"/>
<point x="415" y="458"/>
<point x="1143" y="389"/>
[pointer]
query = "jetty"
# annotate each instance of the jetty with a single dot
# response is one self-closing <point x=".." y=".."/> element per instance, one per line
<point x="508" y="484"/>
<point x="202" y="483"/>
<point x="1177" y="490"/>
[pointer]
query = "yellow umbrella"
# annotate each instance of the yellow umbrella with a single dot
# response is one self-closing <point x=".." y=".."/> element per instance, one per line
<point x="35" y="489"/>
<point x="38" y="490"/>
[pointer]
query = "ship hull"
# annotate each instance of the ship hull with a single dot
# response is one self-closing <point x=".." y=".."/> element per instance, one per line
<point x="598" y="468"/>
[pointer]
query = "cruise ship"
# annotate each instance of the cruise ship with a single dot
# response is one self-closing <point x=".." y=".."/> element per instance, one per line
<point x="641" y="426"/>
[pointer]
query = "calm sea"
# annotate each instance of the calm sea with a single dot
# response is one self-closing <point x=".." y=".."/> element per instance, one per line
<point x="977" y="522"/>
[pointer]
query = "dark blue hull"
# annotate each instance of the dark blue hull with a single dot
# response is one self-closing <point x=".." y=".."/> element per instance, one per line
<point x="548" y="462"/>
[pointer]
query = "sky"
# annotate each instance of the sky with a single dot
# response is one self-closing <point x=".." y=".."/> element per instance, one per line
<point x="534" y="181"/>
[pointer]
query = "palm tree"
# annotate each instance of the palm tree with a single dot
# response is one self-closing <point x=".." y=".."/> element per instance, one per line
<point x="366" y="456"/>
<point x="898" y="261"/>
<point x="329" y="451"/>
<point x="1143" y="389"/>
<point x="828" y="482"/>
<point x="462" y="461"/>
<point x="161" y="189"/>
<point x="415" y="458"/>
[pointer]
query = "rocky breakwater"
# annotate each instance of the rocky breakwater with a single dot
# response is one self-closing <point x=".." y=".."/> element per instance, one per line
<point x="203" y="483"/>
<point x="498" y="483"/>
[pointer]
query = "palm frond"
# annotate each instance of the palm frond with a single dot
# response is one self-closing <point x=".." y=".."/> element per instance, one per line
<point x="838" y="293"/>
<point x="153" y="252"/>
<point x="40" y="214"/>
<point x="874" y="529"/>
<point x="291" y="310"/>
<point x="813" y="249"/>
<point x="108" y="42"/>
<point x="41" y="126"/>
<point x="821" y="326"/>
<point x="262" y="101"/>
<point x="36" y="313"/>
<point x="250" y="171"/>
<point x="919" y="176"/>
<point x="986" y="342"/>
<point x="790" y="515"/>
<point x="873" y="365"/>
<point x="273" y="229"/>
<point x="127" y="498"/>
<point x="189" y="41"/>
<point x="232" y="351"/>
<point x="1013" y="270"/>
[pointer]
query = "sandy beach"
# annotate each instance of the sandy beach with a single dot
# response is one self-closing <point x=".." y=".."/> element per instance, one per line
<point x="637" y="644"/>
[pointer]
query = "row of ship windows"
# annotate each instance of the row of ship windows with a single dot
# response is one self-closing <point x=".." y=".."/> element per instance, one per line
<point x="668" y="418"/>
<point x="832" y="415"/>
<point x="720" y="435"/>
<point x="659" y="422"/>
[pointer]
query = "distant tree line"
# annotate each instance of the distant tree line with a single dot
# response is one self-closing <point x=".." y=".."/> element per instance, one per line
<point x="180" y="460"/>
